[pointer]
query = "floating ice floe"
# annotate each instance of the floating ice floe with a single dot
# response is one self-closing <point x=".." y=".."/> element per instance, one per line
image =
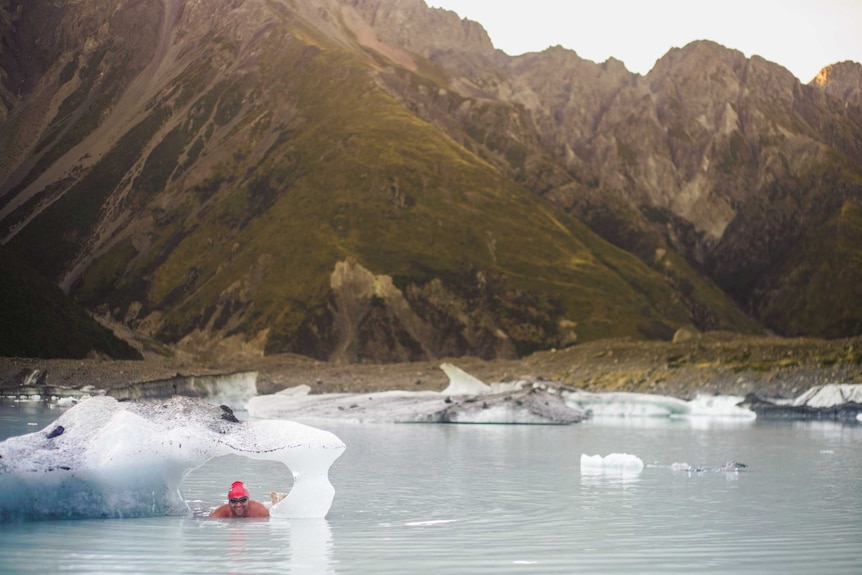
<point x="469" y="400"/>
<point x="465" y="400"/>
<point x="625" y="404"/>
<point x="613" y="464"/>
<point x="729" y="467"/>
<point x="104" y="458"/>
<point x="832" y="401"/>
<point x="830" y="395"/>
<point x="719" y="406"/>
<point x="627" y="466"/>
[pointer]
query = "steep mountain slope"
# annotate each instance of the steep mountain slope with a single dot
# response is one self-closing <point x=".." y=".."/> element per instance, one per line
<point x="727" y="161"/>
<point x="39" y="320"/>
<point x="244" y="176"/>
<point x="372" y="180"/>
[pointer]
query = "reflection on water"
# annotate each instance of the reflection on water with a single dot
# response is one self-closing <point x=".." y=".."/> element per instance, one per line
<point x="168" y="545"/>
<point x="611" y="480"/>
<point x="300" y="546"/>
<point x="506" y="499"/>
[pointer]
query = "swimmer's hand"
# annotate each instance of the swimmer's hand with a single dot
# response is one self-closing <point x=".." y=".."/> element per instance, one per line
<point x="276" y="497"/>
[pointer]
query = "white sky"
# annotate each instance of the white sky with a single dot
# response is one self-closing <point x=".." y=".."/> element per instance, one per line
<point x="801" y="35"/>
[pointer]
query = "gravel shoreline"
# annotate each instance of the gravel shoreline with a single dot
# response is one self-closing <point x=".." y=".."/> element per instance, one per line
<point x="710" y="363"/>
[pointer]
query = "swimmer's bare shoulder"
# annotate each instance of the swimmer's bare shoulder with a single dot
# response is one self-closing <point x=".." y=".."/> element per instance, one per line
<point x="255" y="509"/>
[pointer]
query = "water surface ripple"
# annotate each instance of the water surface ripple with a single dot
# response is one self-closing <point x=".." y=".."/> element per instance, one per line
<point x="472" y="499"/>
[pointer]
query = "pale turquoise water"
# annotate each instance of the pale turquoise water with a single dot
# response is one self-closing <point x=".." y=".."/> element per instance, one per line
<point x="502" y="499"/>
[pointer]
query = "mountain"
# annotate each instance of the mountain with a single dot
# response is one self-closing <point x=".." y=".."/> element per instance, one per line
<point x="39" y="320"/>
<point x="371" y="180"/>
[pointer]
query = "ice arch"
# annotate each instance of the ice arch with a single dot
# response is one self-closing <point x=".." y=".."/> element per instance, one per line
<point x="105" y="458"/>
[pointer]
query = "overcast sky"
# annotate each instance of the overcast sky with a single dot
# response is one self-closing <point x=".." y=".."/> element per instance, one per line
<point x="801" y="35"/>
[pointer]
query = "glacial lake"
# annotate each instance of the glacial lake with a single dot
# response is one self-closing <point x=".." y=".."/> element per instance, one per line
<point x="466" y="499"/>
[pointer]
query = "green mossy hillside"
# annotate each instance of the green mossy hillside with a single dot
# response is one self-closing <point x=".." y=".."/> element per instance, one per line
<point x="354" y="175"/>
<point x="827" y="260"/>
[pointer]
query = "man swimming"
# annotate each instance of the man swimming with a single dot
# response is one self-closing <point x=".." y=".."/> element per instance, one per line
<point x="239" y="504"/>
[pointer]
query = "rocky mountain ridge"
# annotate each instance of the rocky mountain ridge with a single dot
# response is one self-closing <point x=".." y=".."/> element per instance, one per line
<point x="728" y="161"/>
<point x="370" y="180"/>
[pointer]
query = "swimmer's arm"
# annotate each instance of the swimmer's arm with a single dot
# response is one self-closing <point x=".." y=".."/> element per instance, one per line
<point x="223" y="511"/>
<point x="257" y="509"/>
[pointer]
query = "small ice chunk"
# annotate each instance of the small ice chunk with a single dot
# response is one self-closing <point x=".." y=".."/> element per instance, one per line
<point x="719" y="406"/>
<point x="621" y="463"/>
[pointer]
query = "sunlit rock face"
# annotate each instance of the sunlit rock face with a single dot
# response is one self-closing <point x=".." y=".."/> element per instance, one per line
<point x="412" y="25"/>
<point x="842" y="80"/>
<point x="105" y="458"/>
<point x="376" y="321"/>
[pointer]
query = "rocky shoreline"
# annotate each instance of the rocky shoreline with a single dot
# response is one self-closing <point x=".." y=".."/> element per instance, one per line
<point x="712" y="363"/>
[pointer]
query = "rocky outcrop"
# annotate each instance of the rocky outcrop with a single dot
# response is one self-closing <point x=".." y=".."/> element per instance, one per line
<point x="413" y="26"/>
<point x="371" y="311"/>
<point x="721" y="158"/>
<point x="375" y="320"/>
<point x="842" y="80"/>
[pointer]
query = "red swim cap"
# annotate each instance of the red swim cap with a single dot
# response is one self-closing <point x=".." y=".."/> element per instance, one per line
<point x="237" y="489"/>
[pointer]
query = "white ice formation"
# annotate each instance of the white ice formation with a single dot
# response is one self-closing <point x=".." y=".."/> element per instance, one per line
<point x="839" y="401"/>
<point x="627" y="404"/>
<point x="729" y="467"/>
<point x="465" y="400"/>
<point x="469" y="400"/>
<point x="830" y="395"/>
<point x="463" y="383"/>
<point x="612" y="464"/>
<point x="625" y="465"/>
<point x="104" y="458"/>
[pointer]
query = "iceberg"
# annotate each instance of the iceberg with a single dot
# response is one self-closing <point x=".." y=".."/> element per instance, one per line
<point x="106" y="458"/>
<point x="629" y="404"/>
<point x="719" y="406"/>
<point x="838" y="401"/>
<point x="626" y="404"/>
<point x="830" y="395"/>
<point x="526" y="405"/>
<point x="466" y="400"/>
<point x="612" y="464"/>
<point x="729" y="467"/>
